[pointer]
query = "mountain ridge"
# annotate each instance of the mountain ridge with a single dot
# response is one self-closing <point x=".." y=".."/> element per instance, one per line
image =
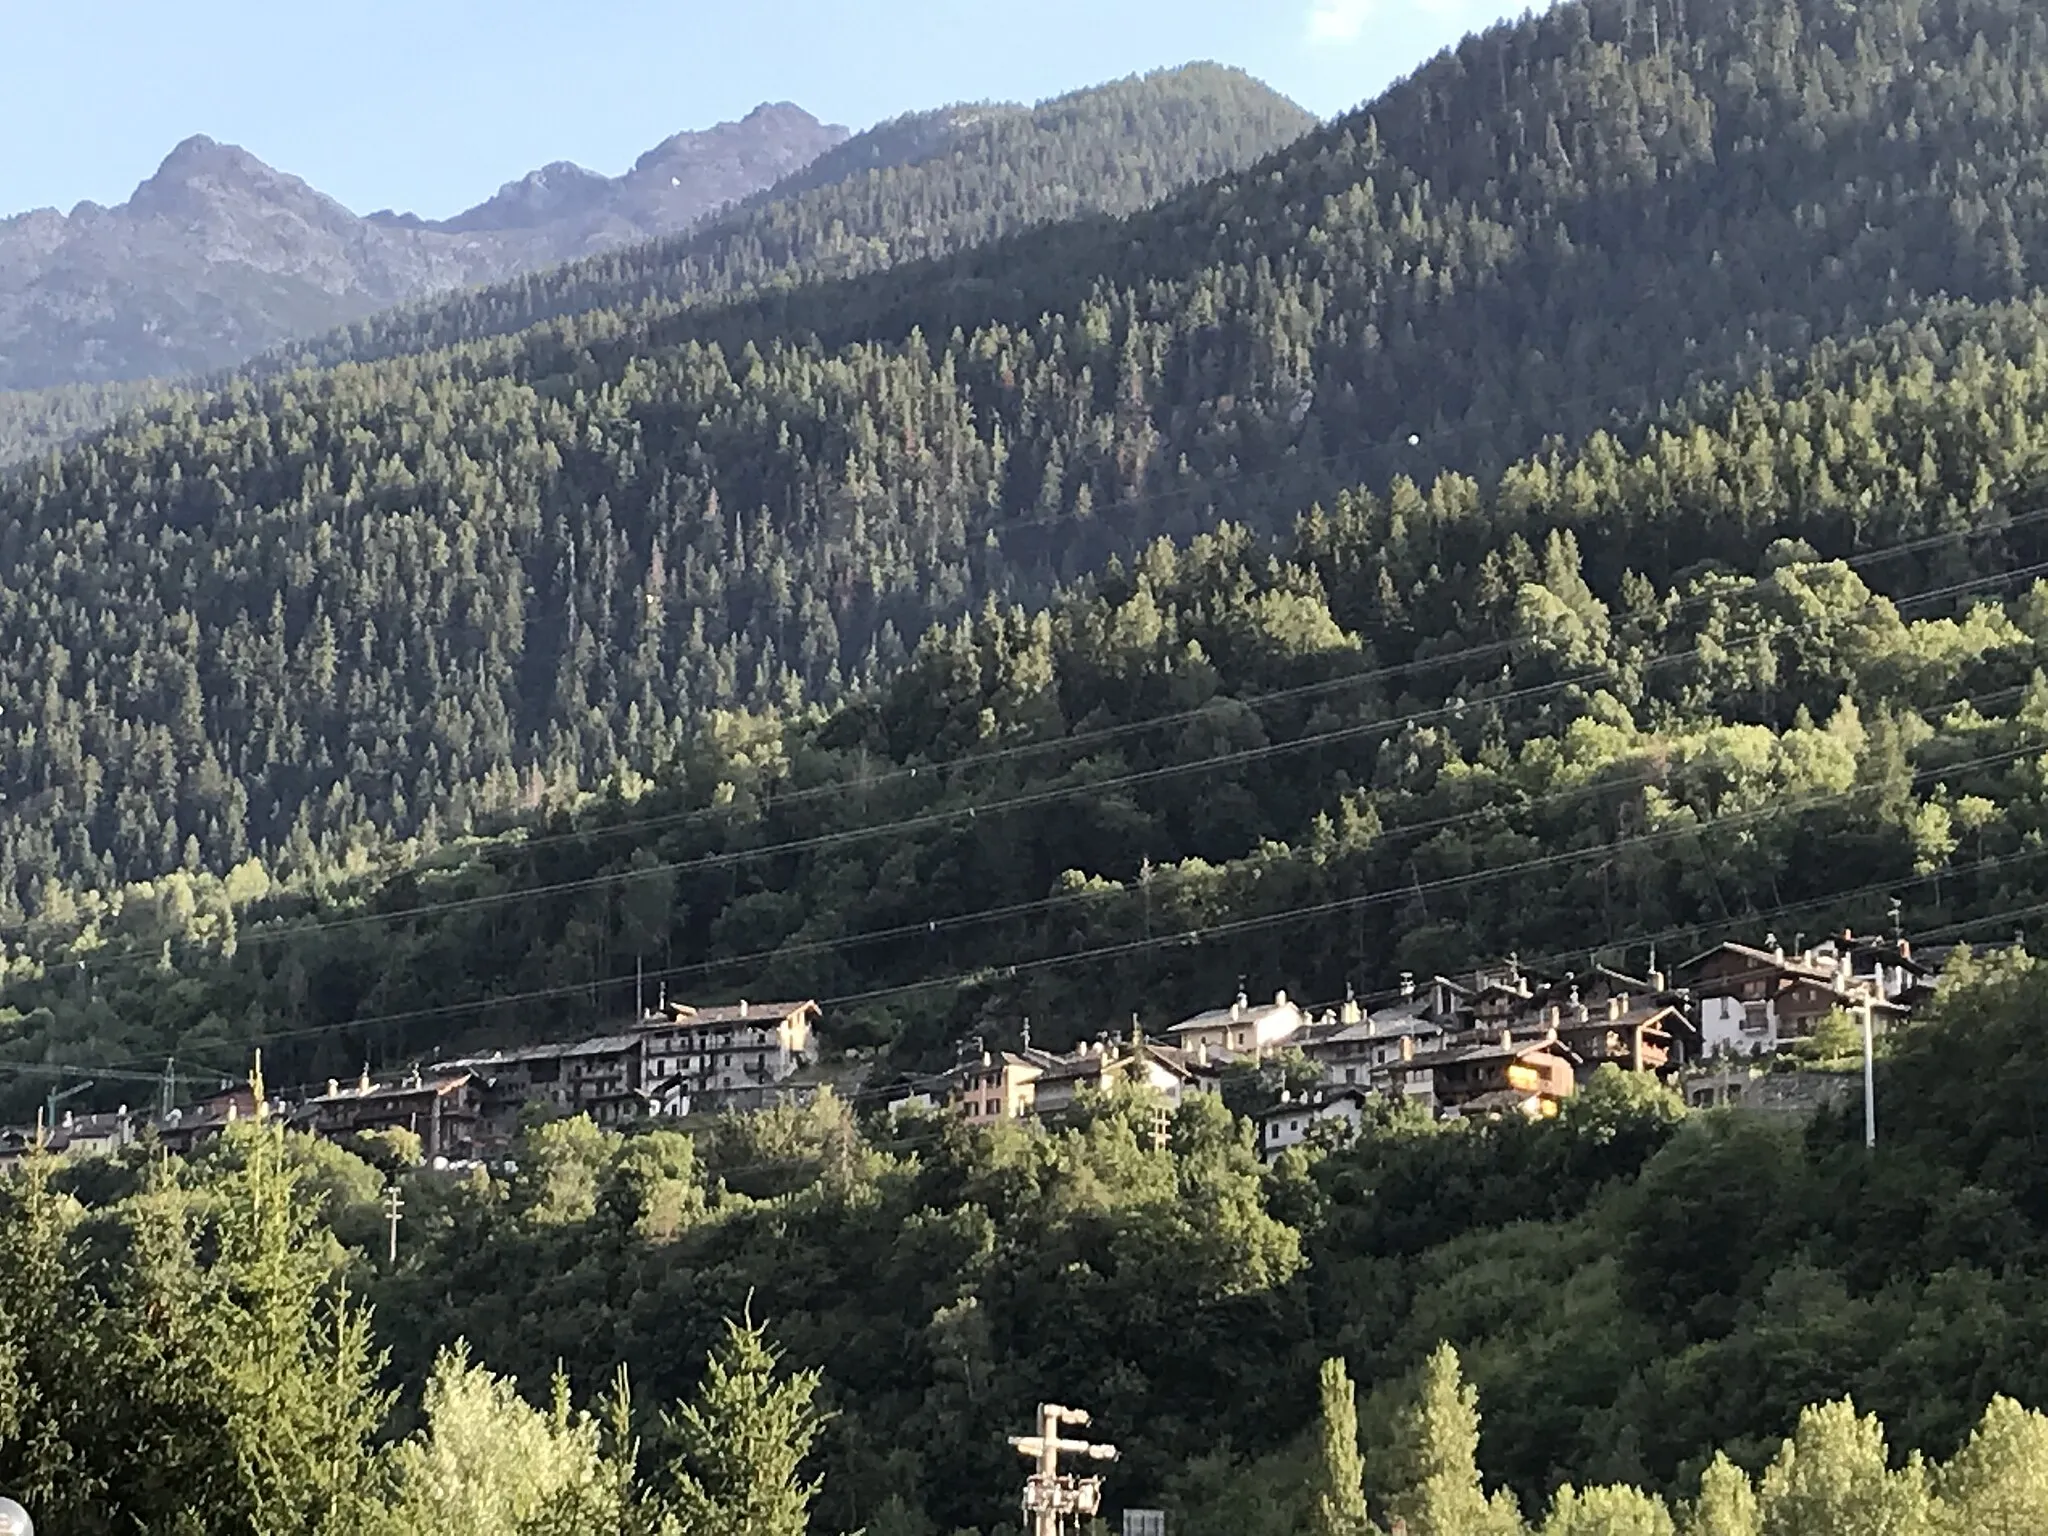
<point x="217" y="255"/>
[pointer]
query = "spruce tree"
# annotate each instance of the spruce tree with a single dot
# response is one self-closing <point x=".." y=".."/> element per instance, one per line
<point x="739" y="1449"/>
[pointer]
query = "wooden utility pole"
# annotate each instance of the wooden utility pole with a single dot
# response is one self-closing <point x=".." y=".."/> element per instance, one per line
<point x="394" y="1207"/>
<point x="1050" y="1496"/>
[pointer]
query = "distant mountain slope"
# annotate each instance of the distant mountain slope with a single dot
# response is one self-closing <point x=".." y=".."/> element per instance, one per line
<point x="920" y="186"/>
<point x="312" y="612"/>
<point x="217" y="256"/>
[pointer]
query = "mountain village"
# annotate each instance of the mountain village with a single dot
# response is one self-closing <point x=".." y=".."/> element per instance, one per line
<point x="1506" y="1039"/>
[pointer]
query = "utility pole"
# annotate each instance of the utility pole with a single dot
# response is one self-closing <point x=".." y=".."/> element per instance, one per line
<point x="1869" y="1075"/>
<point x="1050" y="1496"/>
<point x="393" y="1208"/>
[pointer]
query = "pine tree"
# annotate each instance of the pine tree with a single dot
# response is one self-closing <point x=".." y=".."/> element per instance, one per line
<point x="1340" y="1501"/>
<point x="740" y="1447"/>
<point x="295" y="1370"/>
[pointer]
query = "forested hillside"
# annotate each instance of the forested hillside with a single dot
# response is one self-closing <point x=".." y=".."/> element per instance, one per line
<point x="1644" y="1312"/>
<point x="434" y="585"/>
<point x="34" y="422"/>
<point x="918" y="187"/>
<point x="1781" y="671"/>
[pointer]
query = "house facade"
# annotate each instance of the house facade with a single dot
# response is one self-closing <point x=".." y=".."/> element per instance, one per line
<point x="1751" y="1001"/>
<point x="997" y="1085"/>
<point x="1329" y="1117"/>
<point x="730" y="1057"/>
<point x="447" y="1111"/>
<point x="1244" y="1029"/>
<point x="1501" y="1074"/>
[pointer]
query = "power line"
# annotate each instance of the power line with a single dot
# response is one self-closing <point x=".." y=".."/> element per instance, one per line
<point x="939" y="818"/>
<point x="1203" y="933"/>
<point x="1609" y="943"/>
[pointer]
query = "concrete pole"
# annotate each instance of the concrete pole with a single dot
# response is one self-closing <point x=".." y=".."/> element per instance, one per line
<point x="1045" y="1521"/>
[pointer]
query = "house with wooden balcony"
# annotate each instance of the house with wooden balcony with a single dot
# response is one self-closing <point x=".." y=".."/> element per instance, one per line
<point x="1494" y="1074"/>
<point x="732" y="1056"/>
<point x="1753" y="1000"/>
<point x="446" y="1110"/>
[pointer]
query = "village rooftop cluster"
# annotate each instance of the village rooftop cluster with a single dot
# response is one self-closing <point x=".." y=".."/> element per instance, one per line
<point x="1504" y="1040"/>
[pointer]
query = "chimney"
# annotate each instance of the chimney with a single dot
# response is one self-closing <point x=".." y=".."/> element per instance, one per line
<point x="743" y="1007"/>
<point x="1280" y="998"/>
<point x="1550" y="1016"/>
<point x="1407" y="984"/>
<point x="363" y="1086"/>
<point x="1658" y="982"/>
<point x="333" y="1087"/>
<point x="1616" y="1007"/>
<point x="1507" y="1039"/>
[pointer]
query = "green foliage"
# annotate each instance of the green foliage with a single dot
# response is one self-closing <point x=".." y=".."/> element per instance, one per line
<point x="737" y="1452"/>
<point x="1997" y="1485"/>
<point x="1834" y="1478"/>
<point x="1727" y="1502"/>
<point x="1607" y="1512"/>
<point x="489" y="1463"/>
<point x="1441" y="1493"/>
<point x="1340" y="1499"/>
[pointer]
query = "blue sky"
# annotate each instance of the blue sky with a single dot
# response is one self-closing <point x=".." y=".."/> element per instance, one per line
<point x="430" y="105"/>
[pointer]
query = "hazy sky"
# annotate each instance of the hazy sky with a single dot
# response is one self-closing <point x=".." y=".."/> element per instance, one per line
<point x="430" y="105"/>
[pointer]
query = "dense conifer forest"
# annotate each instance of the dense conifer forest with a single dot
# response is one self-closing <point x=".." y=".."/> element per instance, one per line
<point x="919" y="187"/>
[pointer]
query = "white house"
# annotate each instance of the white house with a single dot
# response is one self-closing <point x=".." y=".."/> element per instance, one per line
<point x="1334" y="1115"/>
<point x="1242" y="1029"/>
<point x="734" y="1056"/>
